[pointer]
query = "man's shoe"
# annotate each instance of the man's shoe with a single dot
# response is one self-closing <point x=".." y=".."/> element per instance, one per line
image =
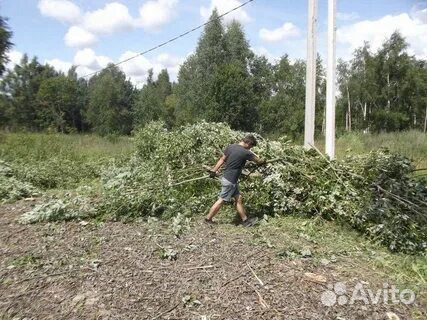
<point x="249" y="222"/>
<point x="209" y="221"/>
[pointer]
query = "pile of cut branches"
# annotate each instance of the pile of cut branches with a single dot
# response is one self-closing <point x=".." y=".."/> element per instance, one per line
<point x="11" y="187"/>
<point x="374" y="193"/>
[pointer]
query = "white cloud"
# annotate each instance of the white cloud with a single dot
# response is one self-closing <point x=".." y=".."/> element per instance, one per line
<point x="79" y="37"/>
<point x="261" y="51"/>
<point x="14" y="58"/>
<point x="376" y="32"/>
<point x="419" y="13"/>
<point x="156" y="13"/>
<point x="87" y="58"/>
<point x="60" y="65"/>
<point x="87" y="62"/>
<point x="170" y="62"/>
<point x="112" y="18"/>
<point x="223" y="6"/>
<point x="343" y="16"/>
<point x="137" y="68"/>
<point x="62" y="10"/>
<point x="287" y="30"/>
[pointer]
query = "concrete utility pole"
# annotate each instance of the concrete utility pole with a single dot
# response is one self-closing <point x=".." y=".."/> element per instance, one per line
<point x="310" y="84"/>
<point x="330" y="82"/>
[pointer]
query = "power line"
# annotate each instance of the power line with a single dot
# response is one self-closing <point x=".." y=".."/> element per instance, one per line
<point x="170" y="40"/>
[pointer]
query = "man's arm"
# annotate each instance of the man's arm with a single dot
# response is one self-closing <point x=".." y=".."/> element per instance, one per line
<point x="219" y="164"/>
<point x="258" y="160"/>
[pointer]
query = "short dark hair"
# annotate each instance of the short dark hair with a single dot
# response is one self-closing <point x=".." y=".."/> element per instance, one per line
<point x="250" y="139"/>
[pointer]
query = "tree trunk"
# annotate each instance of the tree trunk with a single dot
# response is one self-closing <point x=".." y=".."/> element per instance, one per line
<point x="346" y="121"/>
<point x="324" y="121"/>
<point x="388" y="91"/>
<point x="349" y="110"/>
<point x="425" y="122"/>
<point x="364" y="109"/>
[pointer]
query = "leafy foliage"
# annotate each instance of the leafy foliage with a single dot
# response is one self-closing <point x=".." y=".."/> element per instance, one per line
<point x="11" y="188"/>
<point x="110" y="102"/>
<point x="373" y="193"/>
<point x="5" y="44"/>
<point x="382" y="91"/>
<point x="60" y="209"/>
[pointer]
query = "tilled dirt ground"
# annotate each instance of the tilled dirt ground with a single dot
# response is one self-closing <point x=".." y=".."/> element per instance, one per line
<point x="113" y="270"/>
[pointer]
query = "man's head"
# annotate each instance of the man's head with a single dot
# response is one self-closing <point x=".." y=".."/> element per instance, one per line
<point x="249" y="141"/>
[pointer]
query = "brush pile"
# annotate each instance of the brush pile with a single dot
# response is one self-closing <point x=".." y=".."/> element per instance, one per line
<point x="11" y="187"/>
<point x="373" y="193"/>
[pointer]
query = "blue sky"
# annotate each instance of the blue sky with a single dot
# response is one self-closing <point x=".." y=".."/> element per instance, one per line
<point x="93" y="33"/>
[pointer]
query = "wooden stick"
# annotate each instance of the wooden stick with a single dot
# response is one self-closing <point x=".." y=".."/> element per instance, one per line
<point x="201" y="267"/>
<point x="256" y="277"/>
<point x="260" y="298"/>
<point x="167" y="311"/>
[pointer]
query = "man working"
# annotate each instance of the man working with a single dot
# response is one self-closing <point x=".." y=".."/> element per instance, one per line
<point x="234" y="158"/>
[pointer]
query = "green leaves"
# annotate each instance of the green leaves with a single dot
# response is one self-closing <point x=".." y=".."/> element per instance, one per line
<point x="373" y="193"/>
<point x="110" y="102"/>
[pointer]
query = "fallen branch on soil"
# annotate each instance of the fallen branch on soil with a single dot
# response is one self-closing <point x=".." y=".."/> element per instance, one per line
<point x="256" y="277"/>
<point x="201" y="267"/>
<point x="167" y="311"/>
<point x="260" y="298"/>
<point x="48" y="275"/>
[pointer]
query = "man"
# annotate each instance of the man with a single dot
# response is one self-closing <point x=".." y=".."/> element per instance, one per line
<point x="234" y="158"/>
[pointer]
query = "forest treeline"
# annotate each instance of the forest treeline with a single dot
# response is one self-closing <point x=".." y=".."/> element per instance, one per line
<point x="223" y="80"/>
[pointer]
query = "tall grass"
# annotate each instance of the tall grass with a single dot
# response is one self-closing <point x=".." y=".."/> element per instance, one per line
<point x="412" y="144"/>
<point x="42" y="146"/>
<point x="60" y="161"/>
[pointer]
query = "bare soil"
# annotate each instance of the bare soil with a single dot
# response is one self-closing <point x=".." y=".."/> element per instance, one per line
<point x="115" y="270"/>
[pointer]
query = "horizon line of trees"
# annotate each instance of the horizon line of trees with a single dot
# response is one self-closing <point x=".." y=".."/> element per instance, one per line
<point x="224" y="80"/>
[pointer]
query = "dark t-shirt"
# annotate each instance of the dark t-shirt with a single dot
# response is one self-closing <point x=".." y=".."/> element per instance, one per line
<point x="236" y="157"/>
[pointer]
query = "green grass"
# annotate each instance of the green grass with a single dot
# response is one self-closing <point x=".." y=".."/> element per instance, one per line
<point x="412" y="144"/>
<point x="58" y="161"/>
<point x="41" y="146"/>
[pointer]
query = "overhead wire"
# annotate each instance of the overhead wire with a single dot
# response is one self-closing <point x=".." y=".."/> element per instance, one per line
<point x="170" y="40"/>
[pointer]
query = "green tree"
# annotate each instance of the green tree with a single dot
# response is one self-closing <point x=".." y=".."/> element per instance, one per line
<point x="217" y="83"/>
<point x="150" y="103"/>
<point x="57" y="100"/>
<point x="197" y="75"/>
<point x="20" y="87"/>
<point x="237" y="46"/>
<point x="233" y="97"/>
<point x="382" y="91"/>
<point x="262" y="79"/>
<point x="284" y="111"/>
<point x="344" y="104"/>
<point x="80" y="107"/>
<point x="5" y="44"/>
<point x="110" y="98"/>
